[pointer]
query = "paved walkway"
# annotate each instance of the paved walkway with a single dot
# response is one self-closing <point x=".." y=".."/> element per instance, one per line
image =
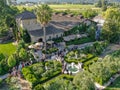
<point x="111" y="48"/>
<point x="4" y="76"/>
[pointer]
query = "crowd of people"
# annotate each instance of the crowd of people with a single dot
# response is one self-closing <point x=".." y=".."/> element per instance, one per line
<point x="16" y="71"/>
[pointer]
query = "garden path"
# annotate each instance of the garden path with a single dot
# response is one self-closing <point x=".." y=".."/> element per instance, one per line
<point x="4" y="76"/>
<point x="100" y="87"/>
<point x="111" y="48"/>
<point x="25" y="84"/>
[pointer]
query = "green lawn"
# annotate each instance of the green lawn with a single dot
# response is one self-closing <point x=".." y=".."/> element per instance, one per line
<point x="115" y="85"/>
<point x="7" y="48"/>
<point x="71" y="6"/>
<point x="61" y="7"/>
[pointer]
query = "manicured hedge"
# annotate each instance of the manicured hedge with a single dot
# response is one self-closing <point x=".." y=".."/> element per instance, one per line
<point x="44" y="79"/>
<point x="63" y="76"/>
<point x="91" y="61"/>
<point x="57" y="40"/>
<point x="89" y="57"/>
<point x="37" y="74"/>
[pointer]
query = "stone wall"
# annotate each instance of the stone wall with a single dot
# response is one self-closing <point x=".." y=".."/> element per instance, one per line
<point x="48" y="37"/>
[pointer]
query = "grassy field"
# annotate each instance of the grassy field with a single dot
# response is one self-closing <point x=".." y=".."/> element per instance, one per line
<point x="61" y="7"/>
<point x="115" y="85"/>
<point x="7" y="49"/>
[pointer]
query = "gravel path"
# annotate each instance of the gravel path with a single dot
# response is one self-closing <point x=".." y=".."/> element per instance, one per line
<point x="111" y="48"/>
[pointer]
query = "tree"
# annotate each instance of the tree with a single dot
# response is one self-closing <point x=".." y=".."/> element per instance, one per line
<point x="60" y="84"/>
<point x="11" y="61"/>
<point x="99" y="4"/>
<point x="25" y="36"/>
<point x="7" y="19"/>
<point x="103" y="4"/>
<point x="44" y="14"/>
<point x="83" y="81"/>
<point x="111" y="28"/>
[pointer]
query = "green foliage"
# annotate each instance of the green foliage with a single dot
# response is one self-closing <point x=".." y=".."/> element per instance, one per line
<point x="79" y="41"/>
<point x="1" y="82"/>
<point x="41" y="72"/>
<point x="57" y="40"/>
<point x="11" y="61"/>
<point x="97" y="48"/>
<point x="31" y="78"/>
<point x="59" y="84"/>
<point x="85" y="82"/>
<point x="39" y="87"/>
<point x="89" y="13"/>
<point x="44" y="14"/>
<point x="7" y="19"/>
<point x="3" y="65"/>
<point x="50" y="50"/>
<point x="25" y="36"/>
<point x="2" y="57"/>
<point x="13" y="83"/>
<point x="111" y="28"/>
<point x="115" y="85"/>
<point x="91" y="31"/>
<point x="23" y="54"/>
<point x="103" y="4"/>
<point x="71" y="57"/>
<point x="82" y="28"/>
<point x="103" y="70"/>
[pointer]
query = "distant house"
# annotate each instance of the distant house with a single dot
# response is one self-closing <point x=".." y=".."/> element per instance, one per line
<point x="99" y="19"/>
<point x="28" y="20"/>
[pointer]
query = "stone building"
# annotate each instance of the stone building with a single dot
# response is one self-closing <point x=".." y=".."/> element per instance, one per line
<point x="56" y="27"/>
<point x="28" y="20"/>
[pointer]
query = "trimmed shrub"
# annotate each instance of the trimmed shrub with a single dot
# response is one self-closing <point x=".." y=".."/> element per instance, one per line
<point x="50" y="50"/>
<point x="11" y="61"/>
<point x="37" y="74"/>
<point x="39" y="87"/>
<point x="79" y="41"/>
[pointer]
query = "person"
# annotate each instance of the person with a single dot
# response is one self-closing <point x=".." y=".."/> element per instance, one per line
<point x="20" y="67"/>
<point x="14" y="71"/>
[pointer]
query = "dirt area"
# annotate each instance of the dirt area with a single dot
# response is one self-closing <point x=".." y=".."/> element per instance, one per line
<point x="24" y="85"/>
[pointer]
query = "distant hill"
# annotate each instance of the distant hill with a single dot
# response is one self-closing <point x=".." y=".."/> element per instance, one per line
<point x="68" y="1"/>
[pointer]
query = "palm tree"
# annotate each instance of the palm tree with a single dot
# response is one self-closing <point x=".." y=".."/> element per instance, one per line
<point x="44" y="13"/>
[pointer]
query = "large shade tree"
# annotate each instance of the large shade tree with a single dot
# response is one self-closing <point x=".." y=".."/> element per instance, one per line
<point x="111" y="28"/>
<point x="83" y="81"/>
<point x="7" y="18"/>
<point x="44" y="13"/>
